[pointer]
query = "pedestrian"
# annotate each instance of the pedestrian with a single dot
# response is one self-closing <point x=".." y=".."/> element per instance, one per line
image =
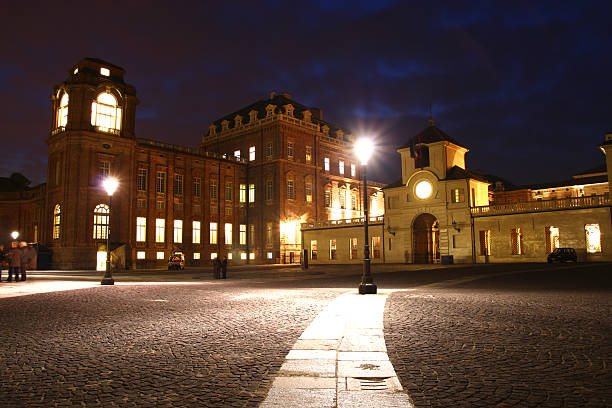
<point x="2" y="260"/>
<point x="27" y="256"/>
<point x="14" y="260"/>
<point x="216" y="268"/>
<point x="224" y="268"/>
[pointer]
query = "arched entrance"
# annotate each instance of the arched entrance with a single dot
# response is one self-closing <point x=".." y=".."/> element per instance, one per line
<point x="426" y="241"/>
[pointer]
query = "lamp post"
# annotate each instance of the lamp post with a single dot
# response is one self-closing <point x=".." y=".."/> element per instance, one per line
<point x="110" y="185"/>
<point x="364" y="148"/>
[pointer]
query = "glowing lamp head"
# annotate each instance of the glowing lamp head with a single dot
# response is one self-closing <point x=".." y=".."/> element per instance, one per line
<point x="423" y="189"/>
<point x="15" y="234"/>
<point x="364" y="149"/>
<point x="110" y="184"/>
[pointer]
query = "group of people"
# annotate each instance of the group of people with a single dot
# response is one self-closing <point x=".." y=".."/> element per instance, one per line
<point x="18" y="260"/>
<point x="220" y="268"/>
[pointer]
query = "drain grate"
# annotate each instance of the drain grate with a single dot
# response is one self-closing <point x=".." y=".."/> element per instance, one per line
<point x="373" y="384"/>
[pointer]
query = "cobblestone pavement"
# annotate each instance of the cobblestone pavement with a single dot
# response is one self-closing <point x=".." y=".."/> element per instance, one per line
<point x="205" y="344"/>
<point x="541" y="339"/>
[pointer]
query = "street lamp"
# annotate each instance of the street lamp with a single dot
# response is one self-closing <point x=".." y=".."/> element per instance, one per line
<point x="15" y="235"/>
<point x="364" y="149"/>
<point x="110" y="184"/>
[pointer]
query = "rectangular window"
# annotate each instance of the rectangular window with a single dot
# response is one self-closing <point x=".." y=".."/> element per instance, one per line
<point x="313" y="249"/>
<point x="228" y="234"/>
<point x="342" y="198"/>
<point x="290" y="190"/>
<point x="326" y="163"/>
<point x="243" y="255"/>
<point x="160" y="185"/>
<point x="196" y="255"/>
<point x="332" y="249"/>
<point x="141" y="229"/>
<point x="229" y="256"/>
<point x="252" y="256"/>
<point x="141" y="180"/>
<point x="353" y="170"/>
<point x="308" y="154"/>
<point x="160" y="255"/>
<point x="140" y="255"/>
<point x="237" y="154"/>
<point x="353" y="248"/>
<point x="552" y="239"/>
<point x="160" y="230"/>
<point x="290" y="150"/>
<point x="242" y="234"/>
<point x="213" y="189"/>
<point x="243" y="193"/>
<point x="196" y="186"/>
<point x="251" y="193"/>
<point x="593" y="238"/>
<point x="213" y="255"/>
<point x="178" y="184"/>
<point x="141" y="203"/>
<point x="252" y="233"/>
<point x="341" y="167"/>
<point x="269" y="233"/>
<point x="485" y="242"/>
<point x="195" y="228"/>
<point x="328" y="198"/>
<point x="178" y="231"/>
<point x="376" y="247"/>
<point x="308" y="190"/>
<point x="269" y="151"/>
<point x="457" y="195"/>
<point x="269" y="190"/>
<point x="353" y="201"/>
<point x="516" y="241"/>
<point x="251" y="153"/>
<point x="213" y="233"/>
<point x="229" y="187"/>
<point x="104" y="169"/>
<point x="269" y="255"/>
<point x="161" y="205"/>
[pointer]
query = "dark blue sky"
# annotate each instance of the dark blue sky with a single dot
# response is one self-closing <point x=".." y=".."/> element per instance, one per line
<point x="527" y="86"/>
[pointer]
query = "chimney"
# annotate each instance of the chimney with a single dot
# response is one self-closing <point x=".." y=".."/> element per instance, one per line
<point x="272" y="94"/>
<point x="317" y="113"/>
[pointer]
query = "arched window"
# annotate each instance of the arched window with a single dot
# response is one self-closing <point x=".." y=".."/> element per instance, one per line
<point x="62" y="112"/>
<point x="105" y="114"/>
<point x="56" y="221"/>
<point x="100" y="224"/>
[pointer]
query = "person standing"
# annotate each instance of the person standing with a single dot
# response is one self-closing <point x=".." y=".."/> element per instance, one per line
<point x="27" y="256"/>
<point x="14" y="260"/>
<point x="2" y="260"/>
<point x="224" y="268"/>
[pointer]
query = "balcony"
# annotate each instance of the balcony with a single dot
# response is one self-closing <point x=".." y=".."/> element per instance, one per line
<point x="342" y="223"/>
<point x="572" y="203"/>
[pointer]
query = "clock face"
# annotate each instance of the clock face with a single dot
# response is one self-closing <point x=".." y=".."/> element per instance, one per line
<point x="423" y="189"/>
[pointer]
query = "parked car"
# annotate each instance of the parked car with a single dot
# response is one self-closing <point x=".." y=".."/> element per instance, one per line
<point x="176" y="261"/>
<point x="562" y="255"/>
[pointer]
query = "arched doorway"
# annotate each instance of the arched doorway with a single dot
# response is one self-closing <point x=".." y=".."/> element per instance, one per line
<point x="425" y="232"/>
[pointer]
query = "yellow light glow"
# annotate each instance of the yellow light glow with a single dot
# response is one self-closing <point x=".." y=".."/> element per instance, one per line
<point x="364" y="149"/>
<point x="593" y="238"/>
<point x="104" y="71"/>
<point x="423" y="189"/>
<point x="101" y="261"/>
<point x="290" y="232"/>
<point x="15" y="234"/>
<point x="140" y="255"/>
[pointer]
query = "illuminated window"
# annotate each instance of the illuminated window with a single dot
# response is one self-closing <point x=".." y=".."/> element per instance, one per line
<point x="353" y="170"/>
<point x="213" y="189"/>
<point x="326" y="163"/>
<point x="251" y="193"/>
<point x="141" y="180"/>
<point x="160" y="255"/>
<point x="229" y="187"/>
<point x="76" y="71"/>
<point x="341" y="167"/>
<point x="213" y="255"/>
<point x="243" y="235"/>
<point x="269" y="190"/>
<point x="552" y="239"/>
<point x="353" y="201"/>
<point x="269" y="255"/>
<point x="376" y="247"/>
<point x="104" y="71"/>
<point x="251" y="153"/>
<point x="160" y="184"/>
<point x="308" y="191"/>
<point x="160" y="230"/>
<point x="196" y="186"/>
<point x="105" y="114"/>
<point x="178" y="231"/>
<point x="196" y="255"/>
<point x="243" y="255"/>
<point x="104" y="170"/>
<point x="313" y="249"/>
<point x="56" y="221"/>
<point x="243" y="193"/>
<point x="237" y="154"/>
<point x="332" y="249"/>
<point x="100" y="223"/>
<point x="516" y="241"/>
<point x="353" y="248"/>
<point x="229" y="256"/>
<point x="328" y="198"/>
<point x="141" y="229"/>
<point x="228" y="234"/>
<point x="195" y="229"/>
<point x="457" y="195"/>
<point x="213" y="233"/>
<point x="178" y="184"/>
<point x="252" y="255"/>
<point x="593" y="238"/>
<point x="140" y="255"/>
<point x="290" y="150"/>
<point x="290" y="189"/>
<point x="62" y="112"/>
<point x="343" y="198"/>
<point x="485" y="242"/>
<point x="308" y="154"/>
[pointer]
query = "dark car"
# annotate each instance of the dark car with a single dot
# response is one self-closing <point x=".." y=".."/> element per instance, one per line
<point x="176" y="261"/>
<point x="562" y="255"/>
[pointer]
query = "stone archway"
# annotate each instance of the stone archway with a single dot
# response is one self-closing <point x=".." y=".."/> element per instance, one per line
<point x="426" y="239"/>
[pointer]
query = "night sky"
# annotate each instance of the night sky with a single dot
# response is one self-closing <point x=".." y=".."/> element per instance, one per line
<point x="526" y="85"/>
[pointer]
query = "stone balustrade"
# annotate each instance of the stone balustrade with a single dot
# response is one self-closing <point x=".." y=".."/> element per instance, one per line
<point x="542" y="205"/>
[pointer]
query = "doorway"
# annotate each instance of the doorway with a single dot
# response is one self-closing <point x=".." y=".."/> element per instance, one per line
<point x="426" y="239"/>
